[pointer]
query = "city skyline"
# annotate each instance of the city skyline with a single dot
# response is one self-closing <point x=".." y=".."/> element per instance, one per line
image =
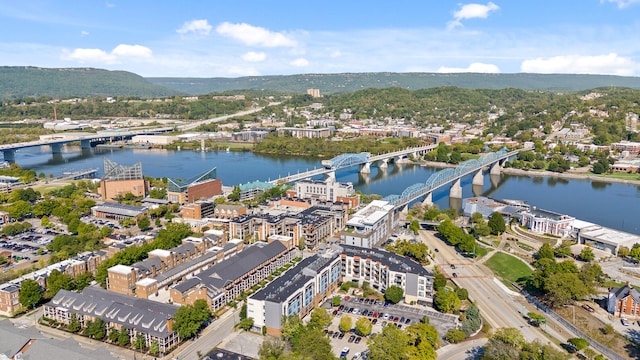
<point x="193" y="39"/>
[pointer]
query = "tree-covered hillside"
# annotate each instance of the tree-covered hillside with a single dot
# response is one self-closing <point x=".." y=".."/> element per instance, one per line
<point x="21" y="82"/>
<point x="349" y="82"/>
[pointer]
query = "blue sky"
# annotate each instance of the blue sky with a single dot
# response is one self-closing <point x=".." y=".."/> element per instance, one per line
<point x="255" y="37"/>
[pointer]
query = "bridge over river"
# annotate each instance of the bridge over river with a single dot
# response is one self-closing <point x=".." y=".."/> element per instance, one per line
<point x="444" y="177"/>
<point x="363" y="159"/>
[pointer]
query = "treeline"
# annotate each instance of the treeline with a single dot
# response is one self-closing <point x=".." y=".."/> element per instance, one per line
<point x="287" y="144"/>
<point x="97" y="107"/>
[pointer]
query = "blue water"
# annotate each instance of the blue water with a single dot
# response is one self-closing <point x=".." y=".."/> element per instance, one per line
<point x="611" y="205"/>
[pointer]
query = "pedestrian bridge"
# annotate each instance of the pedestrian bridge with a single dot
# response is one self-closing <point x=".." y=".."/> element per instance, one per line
<point x="363" y="159"/>
<point x="452" y="176"/>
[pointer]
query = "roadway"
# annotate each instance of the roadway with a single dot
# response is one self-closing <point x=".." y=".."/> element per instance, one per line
<point x="213" y="335"/>
<point x="463" y="351"/>
<point x="498" y="308"/>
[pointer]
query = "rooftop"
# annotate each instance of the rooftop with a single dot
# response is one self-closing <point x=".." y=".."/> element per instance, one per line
<point x="121" y="269"/>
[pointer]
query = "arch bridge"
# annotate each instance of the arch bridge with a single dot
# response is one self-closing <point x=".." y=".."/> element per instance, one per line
<point x="452" y="176"/>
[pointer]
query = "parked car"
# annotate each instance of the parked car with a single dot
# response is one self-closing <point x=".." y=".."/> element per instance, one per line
<point x="588" y="308"/>
<point x="344" y="352"/>
<point x="624" y="321"/>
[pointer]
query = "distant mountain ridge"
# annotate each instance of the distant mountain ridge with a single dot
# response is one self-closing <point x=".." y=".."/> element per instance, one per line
<point x="27" y="81"/>
<point x="349" y="82"/>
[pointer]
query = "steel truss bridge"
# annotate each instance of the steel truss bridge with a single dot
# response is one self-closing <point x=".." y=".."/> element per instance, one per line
<point x="449" y="175"/>
<point x="343" y="161"/>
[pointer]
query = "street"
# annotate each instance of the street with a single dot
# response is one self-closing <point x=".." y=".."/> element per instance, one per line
<point x="210" y="338"/>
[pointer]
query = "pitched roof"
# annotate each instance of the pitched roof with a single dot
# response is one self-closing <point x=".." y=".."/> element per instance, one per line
<point x="625" y="291"/>
<point x="133" y="313"/>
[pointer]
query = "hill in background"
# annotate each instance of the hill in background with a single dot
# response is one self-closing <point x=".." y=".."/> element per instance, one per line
<point x="349" y="82"/>
<point x="21" y="82"/>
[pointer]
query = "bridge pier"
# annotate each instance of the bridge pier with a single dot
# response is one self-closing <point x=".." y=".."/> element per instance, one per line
<point x="9" y="155"/>
<point x="495" y="168"/>
<point x="85" y="144"/>
<point x="456" y="190"/>
<point x="366" y="168"/>
<point x="56" y="148"/>
<point x="428" y="200"/>
<point x="331" y="175"/>
<point x="383" y="164"/>
<point x="478" y="178"/>
<point x="405" y="209"/>
<point x="398" y="160"/>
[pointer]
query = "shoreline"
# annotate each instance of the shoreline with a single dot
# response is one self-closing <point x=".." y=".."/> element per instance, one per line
<point x="567" y="175"/>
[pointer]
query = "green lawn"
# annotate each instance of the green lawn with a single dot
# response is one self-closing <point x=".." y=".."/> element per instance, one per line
<point x="509" y="267"/>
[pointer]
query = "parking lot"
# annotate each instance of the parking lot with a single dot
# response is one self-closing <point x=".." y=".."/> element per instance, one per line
<point x="25" y="246"/>
<point x="380" y="314"/>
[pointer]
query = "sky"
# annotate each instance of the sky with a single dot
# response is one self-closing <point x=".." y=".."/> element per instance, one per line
<point x="194" y="38"/>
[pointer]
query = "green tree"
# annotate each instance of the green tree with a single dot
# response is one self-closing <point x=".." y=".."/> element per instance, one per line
<point x="144" y="223"/>
<point x="345" y="323"/>
<point x="476" y="217"/>
<point x="579" y="343"/>
<point x="272" y="349"/>
<point x="563" y="288"/>
<point x="320" y="318"/>
<point x="113" y="335"/>
<point x="74" y="324"/>
<point x="446" y="301"/>
<point x="393" y="294"/>
<point x="123" y="337"/>
<point x="391" y="344"/>
<point x="363" y="326"/>
<point x="496" y="223"/>
<point x="313" y="344"/>
<point x="546" y="252"/>
<point x="140" y="342"/>
<point x="586" y="254"/>
<point x="504" y="344"/>
<point x="455" y="336"/>
<point x="30" y="293"/>
<point x="335" y="301"/>
<point x="246" y="324"/>
<point x="154" y="349"/>
<point x="439" y="281"/>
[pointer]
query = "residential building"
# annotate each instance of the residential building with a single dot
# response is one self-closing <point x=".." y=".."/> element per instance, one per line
<point x="200" y="187"/>
<point x="228" y="211"/>
<point x="122" y="279"/>
<point x="382" y="269"/>
<point x="310" y="133"/>
<point x="228" y="279"/>
<point x="119" y="180"/>
<point x="371" y="225"/>
<point x="249" y="191"/>
<point x="624" y="301"/>
<point x="314" y="92"/>
<point x="298" y="291"/>
<point x="9" y="300"/>
<point x="153" y="320"/>
<point x="5" y="218"/>
<point x="328" y="190"/>
<point x="198" y="210"/>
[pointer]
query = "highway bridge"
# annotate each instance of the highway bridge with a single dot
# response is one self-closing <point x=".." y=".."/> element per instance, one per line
<point x="363" y="159"/>
<point x="56" y="141"/>
<point x="452" y="176"/>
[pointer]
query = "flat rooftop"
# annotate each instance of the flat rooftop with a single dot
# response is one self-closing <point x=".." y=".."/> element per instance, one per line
<point x="121" y="269"/>
<point x="609" y="236"/>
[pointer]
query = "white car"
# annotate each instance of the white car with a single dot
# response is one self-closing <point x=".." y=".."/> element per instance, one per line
<point x="624" y="321"/>
<point x="344" y="352"/>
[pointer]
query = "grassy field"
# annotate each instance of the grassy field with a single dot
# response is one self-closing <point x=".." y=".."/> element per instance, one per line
<point x="509" y="267"/>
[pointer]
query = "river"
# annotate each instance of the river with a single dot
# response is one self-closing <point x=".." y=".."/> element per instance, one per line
<point x="612" y="205"/>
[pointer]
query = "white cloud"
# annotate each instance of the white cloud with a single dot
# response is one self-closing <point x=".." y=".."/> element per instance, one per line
<point x="335" y="54"/>
<point x="472" y="11"/>
<point x="124" y="50"/>
<point x="473" y="68"/>
<point x="253" y="56"/>
<point x="197" y="27"/>
<point x="84" y="33"/>
<point x="621" y="3"/>
<point x="91" y="55"/>
<point x="300" y="62"/>
<point x="254" y="35"/>
<point x="610" y="64"/>
<point x="120" y="52"/>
